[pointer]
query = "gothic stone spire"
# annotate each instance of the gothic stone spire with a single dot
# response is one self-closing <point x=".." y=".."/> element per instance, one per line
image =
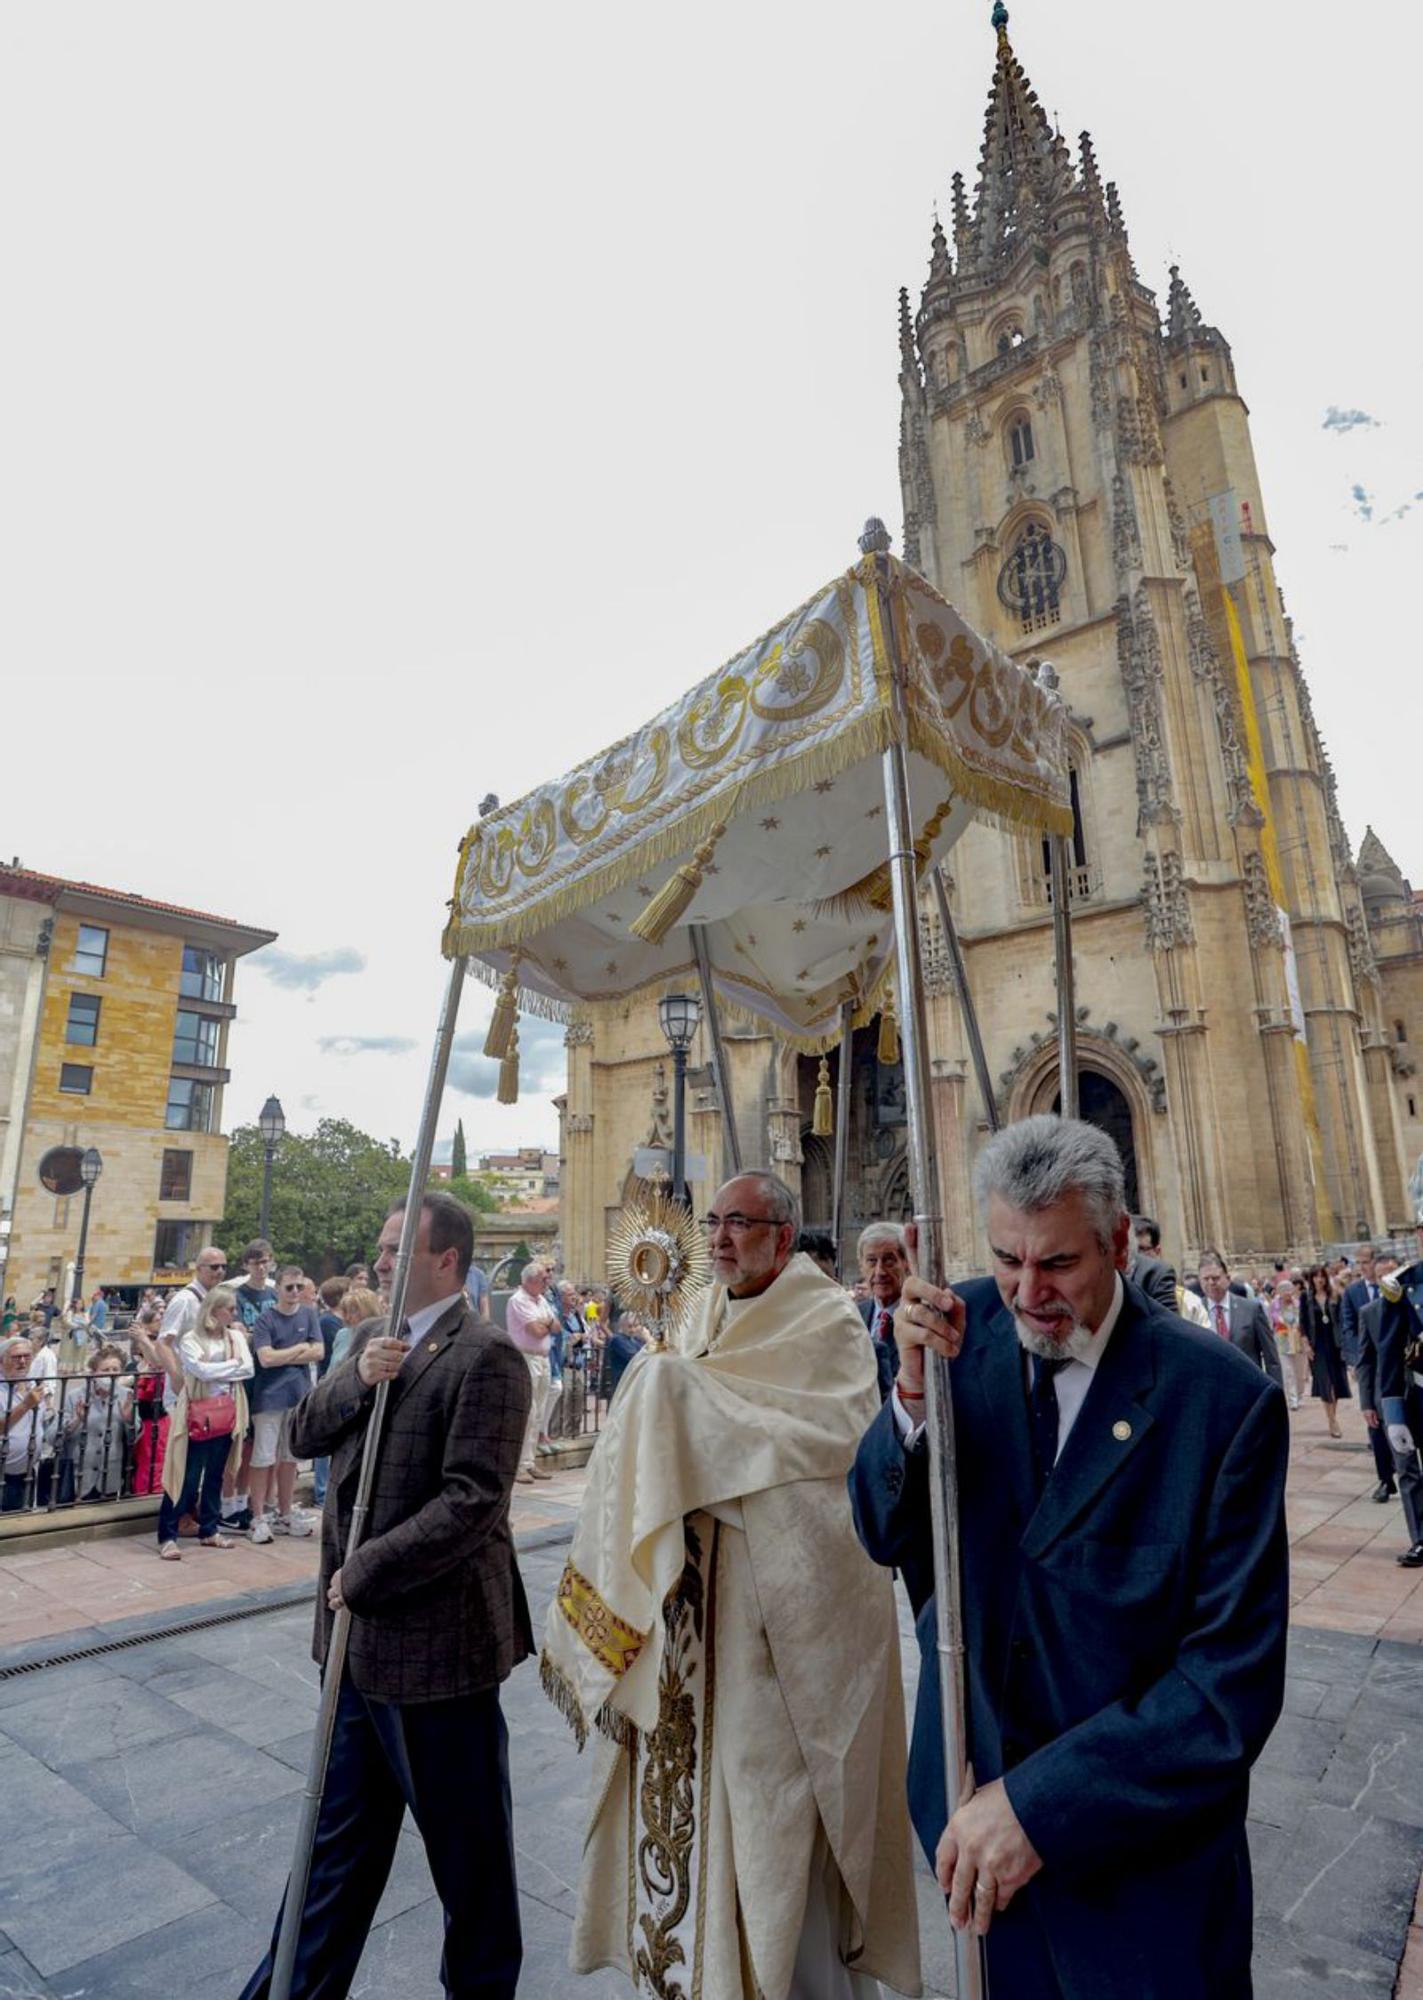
<point x="1024" y="166"/>
<point x="1183" y="315"/>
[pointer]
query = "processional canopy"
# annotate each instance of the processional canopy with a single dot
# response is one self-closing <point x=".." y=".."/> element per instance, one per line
<point x="753" y="808"/>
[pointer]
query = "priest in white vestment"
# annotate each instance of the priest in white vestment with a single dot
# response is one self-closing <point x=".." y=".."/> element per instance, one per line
<point x="735" y="1652"/>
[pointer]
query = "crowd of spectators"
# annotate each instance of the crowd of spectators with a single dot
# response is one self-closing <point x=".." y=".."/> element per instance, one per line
<point x="93" y="1407"/>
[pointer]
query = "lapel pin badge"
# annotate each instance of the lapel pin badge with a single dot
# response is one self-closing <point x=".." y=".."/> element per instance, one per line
<point x="1121" y="1430"/>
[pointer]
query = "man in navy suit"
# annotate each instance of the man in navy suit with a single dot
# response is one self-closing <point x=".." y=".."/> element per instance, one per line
<point x="1360" y="1292"/>
<point x="1125" y="1593"/>
<point x="884" y="1265"/>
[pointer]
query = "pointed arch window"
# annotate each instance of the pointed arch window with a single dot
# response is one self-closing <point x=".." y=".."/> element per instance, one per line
<point x="1030" y="582"/>
<point x="1010" y="338"/>
<point x="1020" y="441"/>
<point x="1080" y="871"/>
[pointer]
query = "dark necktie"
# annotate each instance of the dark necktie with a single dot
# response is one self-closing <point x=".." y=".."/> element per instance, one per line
<point x="1042" y="1416"/>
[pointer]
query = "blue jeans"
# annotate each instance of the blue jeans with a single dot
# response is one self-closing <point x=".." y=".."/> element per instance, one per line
<point x="202" y="1490"/>
<point x="320" y="1472"/>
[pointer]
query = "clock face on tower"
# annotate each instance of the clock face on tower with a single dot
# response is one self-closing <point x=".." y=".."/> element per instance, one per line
<point x="1031" y="580"/>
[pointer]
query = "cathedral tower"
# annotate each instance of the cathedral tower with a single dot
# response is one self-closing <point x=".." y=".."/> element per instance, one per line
<point x="1078" y="478"/>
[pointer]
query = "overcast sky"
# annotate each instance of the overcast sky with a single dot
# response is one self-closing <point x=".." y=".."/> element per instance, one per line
<point x="403" y="402"/>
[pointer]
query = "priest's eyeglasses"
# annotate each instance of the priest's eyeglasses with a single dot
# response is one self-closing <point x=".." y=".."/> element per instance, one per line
<point x="737" y="1223"/>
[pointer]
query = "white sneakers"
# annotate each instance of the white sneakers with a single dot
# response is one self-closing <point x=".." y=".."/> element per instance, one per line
<point x="272" y="1525"/>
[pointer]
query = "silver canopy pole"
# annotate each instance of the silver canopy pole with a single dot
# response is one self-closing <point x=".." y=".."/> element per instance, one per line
<point x="842" y="1132"/>
<point x="969" y="1963"/>
<point x="713" y="1020"/>
<point x="1066" y="989"/>
<point x="285" y="1962"/>
<point x="970" y="1013"/>
<point x="1059" y="862"/>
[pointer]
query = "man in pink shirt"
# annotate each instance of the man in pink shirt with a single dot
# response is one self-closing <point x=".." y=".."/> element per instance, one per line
<point x="529" y="1321"/>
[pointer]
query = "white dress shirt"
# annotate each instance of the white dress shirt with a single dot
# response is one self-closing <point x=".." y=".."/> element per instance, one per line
<point x="1073" y="1381"/>
<point x="423" y="1322"/>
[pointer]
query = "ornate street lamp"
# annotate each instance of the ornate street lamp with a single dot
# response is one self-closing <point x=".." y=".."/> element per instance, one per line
<point x="680" y="1015"/>
<point x="90" y="1168"/>
<point x="271" y="1123"/>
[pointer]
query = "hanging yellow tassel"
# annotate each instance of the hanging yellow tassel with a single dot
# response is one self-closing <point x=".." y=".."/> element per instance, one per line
<point x="506" y="1011"/>
<point x="509" y="1072"/>
<point x="822" y="1123"/>
<point x="888" y="1050"/>
<point x="674" y="897"/>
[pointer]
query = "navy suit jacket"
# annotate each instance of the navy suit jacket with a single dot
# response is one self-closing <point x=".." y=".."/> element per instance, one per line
<point x="1353" y="1299"/>
<point x="1125" y="1645"/>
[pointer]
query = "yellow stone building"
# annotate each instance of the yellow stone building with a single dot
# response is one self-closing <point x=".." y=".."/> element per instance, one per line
<point x="1078" y="479"/>
<point x="114" y="1017"/>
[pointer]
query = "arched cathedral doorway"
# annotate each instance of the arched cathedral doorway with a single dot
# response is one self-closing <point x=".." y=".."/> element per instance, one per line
<point x="1102" y="1104"/>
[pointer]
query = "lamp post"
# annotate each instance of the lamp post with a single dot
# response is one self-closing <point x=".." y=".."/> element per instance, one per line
<point x="680" y="1016"/>
<point x="90" y="1168"/>
<point x="271" y="1123"/>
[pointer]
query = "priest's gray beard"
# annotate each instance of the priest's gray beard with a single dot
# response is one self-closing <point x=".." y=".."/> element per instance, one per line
<point x="1074" y="1345"/>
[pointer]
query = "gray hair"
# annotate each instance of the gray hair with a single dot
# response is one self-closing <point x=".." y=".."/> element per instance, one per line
<point x="1032" y="1165"/>
<point x="881" y="1232"/>
<point x="533" y="1270"/>
<point x="780" y="1199"/>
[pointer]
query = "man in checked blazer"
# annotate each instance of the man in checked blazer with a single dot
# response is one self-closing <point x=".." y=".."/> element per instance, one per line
<point x="438" y="1620"/>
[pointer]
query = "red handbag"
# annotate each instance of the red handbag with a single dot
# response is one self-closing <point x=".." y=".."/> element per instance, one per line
<point x="213" y="1417"/>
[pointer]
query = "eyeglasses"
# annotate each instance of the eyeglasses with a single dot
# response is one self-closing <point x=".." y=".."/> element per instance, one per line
<point x="291" y="1288"/>
<point x="738" y="1224"/>
<point x="214" y="1264"/>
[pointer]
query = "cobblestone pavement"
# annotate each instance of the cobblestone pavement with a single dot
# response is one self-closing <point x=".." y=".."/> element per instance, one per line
<point x="123" y="1877"/>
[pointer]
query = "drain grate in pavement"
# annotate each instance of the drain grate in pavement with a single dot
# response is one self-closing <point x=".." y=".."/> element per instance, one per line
<point x="173" y="1631"/>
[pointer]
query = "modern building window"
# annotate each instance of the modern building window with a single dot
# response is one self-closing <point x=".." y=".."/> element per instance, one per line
<point x="83" y="1023"/>
<point x="175" y="1181"/>
<point x="195" y="1039"/>
<point x="91" y="954"/>
<point x="1020" y="442"/>
<point x="202" y="974"/>
<point x="189" y="1105"/>
<point x="176" y="1244"/>
<point x="77" y="1078"/>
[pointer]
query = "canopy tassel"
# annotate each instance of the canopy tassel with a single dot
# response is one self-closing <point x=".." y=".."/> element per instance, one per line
<point x="506" y="1011"/>
<point x="509" y="1072"/>
<point x="888" y="1050"/>
<point x="674" y="898"/>
<point x="822" y="1125"/>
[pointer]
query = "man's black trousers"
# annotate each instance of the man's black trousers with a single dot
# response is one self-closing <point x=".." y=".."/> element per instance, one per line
<point x="449" y="1762"/>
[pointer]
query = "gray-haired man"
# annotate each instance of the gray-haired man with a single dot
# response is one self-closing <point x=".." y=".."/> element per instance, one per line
<point x="530" y="1322"/>
<point x="884" y="1265"/>
<point x="1121" y="1514"/>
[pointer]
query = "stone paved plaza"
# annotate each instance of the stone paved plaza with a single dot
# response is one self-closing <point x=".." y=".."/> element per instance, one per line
<point x="126" y="1876"/>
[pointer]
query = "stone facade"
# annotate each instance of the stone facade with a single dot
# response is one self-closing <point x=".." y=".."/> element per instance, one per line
<point x="112" y="1091"/>
<point x="1078" y="480"/>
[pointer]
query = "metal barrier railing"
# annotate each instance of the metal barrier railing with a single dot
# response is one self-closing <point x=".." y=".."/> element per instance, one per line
<point x="83" y="1437"/>
<point x="86" y="1437"/>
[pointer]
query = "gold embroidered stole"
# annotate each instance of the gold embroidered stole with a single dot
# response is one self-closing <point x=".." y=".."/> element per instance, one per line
<point x="668" y="1792"/>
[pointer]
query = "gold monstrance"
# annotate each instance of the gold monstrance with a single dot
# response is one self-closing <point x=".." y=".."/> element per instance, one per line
<point x="657" y="1262"/>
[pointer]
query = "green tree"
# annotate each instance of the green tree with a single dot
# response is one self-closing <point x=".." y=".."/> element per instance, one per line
<point x="474" y="1194"/>
<point x="459" y="1158"/>
<point x="331" y="1193"/>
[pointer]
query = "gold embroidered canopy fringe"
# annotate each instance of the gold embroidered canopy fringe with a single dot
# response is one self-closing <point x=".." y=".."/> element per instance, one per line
<point x="753" y="808"/>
